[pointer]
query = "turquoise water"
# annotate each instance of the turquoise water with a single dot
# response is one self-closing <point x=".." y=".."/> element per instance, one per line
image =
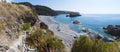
<point x="91" y="21"/>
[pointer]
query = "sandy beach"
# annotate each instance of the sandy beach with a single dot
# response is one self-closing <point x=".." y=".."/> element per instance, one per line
<point x="62" y="31"/>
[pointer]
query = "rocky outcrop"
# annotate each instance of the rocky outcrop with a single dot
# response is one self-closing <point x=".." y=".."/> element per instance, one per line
<point x="69" y="13"/>
<point x="112" y="30"/>
<point x="29" y="19"/>
<point x="3" y="48"/>
<point x="43" y="25"/>
<point x="74" y="14"/>
<point x="77" y="22"/>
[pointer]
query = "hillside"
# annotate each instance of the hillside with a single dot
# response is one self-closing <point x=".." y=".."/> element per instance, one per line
<point x="44" y="10"/>
<point x="40" y="10"/>
<point x="19" y="25"/>
<point x="12" y="19"/>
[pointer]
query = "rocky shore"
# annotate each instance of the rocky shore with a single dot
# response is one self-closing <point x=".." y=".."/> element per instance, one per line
<point x="66" y="34"/>
<point x="113" y="30"/>
<point x="77" y="22"/>
<point x="93" y="35"/>
<point x="62" y="31"/>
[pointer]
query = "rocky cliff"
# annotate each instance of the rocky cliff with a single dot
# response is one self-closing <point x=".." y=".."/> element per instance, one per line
<point x="19" y="31"/>
<point x="12" y="19"/>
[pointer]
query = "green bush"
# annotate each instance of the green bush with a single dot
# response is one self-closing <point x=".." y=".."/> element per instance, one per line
<point x="45" y="42"/>
<point x="84" y="44"/>
<point x="26" y="26"/>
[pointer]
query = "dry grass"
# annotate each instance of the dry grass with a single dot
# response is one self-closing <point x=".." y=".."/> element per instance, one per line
<point x="11" y="12"/>
<point x="1" y="25"/>
<point x="11" y="20"/>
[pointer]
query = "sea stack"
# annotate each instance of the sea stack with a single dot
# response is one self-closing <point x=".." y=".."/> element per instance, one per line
<point x="77" y="22"/>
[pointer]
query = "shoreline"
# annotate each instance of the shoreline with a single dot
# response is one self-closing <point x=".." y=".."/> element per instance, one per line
<point x="66" y="34"/>
<point x="62" y="31"/>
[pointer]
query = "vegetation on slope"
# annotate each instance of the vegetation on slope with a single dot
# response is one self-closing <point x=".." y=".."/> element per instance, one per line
<point x="84" y="44"/>
<point x="26" y="26"/>
<point x="17" y="12"/>
<point x="1" y="25"/>
<point x="12" y="18"/>
<point x="45" y="42"/>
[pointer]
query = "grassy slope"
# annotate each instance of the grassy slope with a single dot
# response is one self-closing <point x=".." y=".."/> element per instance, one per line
<point x="12" y="17"/>
<point x="19" y="17"/>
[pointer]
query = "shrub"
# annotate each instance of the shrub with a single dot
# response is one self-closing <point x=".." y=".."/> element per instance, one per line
<point x="84" y="44"/>
<point x="45" y="42"/>
<point x="2" y="27"/>
<point x="26" y="26"/>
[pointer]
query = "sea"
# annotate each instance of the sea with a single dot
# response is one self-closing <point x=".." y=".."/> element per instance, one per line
<point x="95" y="22"/>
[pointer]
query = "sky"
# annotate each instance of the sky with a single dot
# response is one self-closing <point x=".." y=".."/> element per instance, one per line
<point x="82" y="6"/>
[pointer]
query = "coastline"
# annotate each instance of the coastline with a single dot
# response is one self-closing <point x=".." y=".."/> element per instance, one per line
<point x="66" y="34"/>
<point x="62" y="31"/>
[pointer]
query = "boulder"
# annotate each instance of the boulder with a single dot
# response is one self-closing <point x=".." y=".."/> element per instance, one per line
<point x="112" y="30"/>
<point x="29" y="19"/>
<point x="77" y="22"/>
<point x="43" y="25"/>
<point x="3" y="48"/>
